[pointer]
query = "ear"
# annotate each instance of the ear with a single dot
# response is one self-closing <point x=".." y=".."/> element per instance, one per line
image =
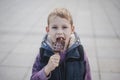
<point x="73" y="29"/>
<point x="47" y="29"/>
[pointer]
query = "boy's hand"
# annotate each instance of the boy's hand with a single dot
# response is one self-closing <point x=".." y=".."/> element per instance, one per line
<point x="52" y="63"/>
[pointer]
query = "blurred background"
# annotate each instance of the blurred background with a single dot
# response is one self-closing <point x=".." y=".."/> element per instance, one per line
<point x="22" y="27"/>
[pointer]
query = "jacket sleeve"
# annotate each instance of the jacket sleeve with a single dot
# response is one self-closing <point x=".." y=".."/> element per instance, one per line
<point x="88" y="72"/>
<point x="38" y="72"/>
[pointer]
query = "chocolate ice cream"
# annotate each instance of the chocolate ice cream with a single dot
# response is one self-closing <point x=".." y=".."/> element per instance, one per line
<point x="59" y="44"/>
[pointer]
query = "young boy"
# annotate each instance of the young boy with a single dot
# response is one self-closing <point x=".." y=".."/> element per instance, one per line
<point x="61" y="55"/>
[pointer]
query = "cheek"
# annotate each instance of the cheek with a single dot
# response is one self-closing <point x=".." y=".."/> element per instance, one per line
<point x="52" y="36"/>
<point x="68" y="33"/>
<point x="51" y="33"/>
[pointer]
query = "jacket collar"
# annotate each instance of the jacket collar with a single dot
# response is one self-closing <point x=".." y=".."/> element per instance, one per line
<point x="74" y="42"/>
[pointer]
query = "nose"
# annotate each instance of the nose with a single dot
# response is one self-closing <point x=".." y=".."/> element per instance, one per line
<point x="59" y="32"/>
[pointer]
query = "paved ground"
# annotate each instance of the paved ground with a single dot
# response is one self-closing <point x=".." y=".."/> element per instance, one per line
<point x="22" y="26"/>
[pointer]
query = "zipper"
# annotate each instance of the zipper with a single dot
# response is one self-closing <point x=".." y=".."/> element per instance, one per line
<point x="60" y="74"/>
<point x="64" y="70"/>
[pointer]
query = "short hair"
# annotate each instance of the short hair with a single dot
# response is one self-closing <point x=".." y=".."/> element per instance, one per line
<point x="61" y="12"/>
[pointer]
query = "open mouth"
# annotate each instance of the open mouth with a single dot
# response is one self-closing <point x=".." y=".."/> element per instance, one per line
<point x="58" y="46"/>
<point x="60" y="39"/>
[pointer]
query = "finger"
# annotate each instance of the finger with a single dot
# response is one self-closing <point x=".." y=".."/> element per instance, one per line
<point x="56" y="64"/>
<point x="56" y="60"/>
<point x="56" y="53"/>
<point x="56" y="56"/>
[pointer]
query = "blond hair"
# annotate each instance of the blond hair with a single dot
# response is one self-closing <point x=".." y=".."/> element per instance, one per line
<point x="61" y="12"/>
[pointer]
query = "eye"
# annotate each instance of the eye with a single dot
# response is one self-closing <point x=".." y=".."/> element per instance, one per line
<point x="54" y="27"/>
<point x="64" y="27"/>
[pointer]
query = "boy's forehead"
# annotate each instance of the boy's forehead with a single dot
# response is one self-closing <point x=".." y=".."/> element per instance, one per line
<point x="52" y="17"/>
<point x="55" y="18"/>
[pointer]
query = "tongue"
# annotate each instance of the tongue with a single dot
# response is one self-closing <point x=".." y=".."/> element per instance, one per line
<point x="59" y="45"/>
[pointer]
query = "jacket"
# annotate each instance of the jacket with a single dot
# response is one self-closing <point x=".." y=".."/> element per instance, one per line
<point x="74" y="67"/>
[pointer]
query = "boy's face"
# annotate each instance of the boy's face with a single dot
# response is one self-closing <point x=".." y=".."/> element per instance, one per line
<point x="59" y="27"/>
